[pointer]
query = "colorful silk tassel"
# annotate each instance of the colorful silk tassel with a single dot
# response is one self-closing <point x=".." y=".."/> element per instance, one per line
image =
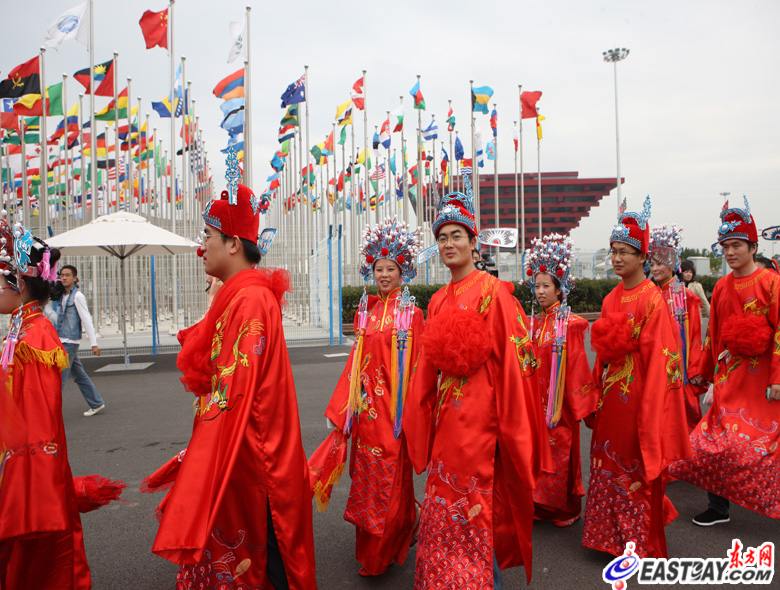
<point x="402" y="341"/>
<point x="680" y="313"/>
<point x="355" y="386"/>
<point x="557" y="386"/>
<point x="9" y="347"/>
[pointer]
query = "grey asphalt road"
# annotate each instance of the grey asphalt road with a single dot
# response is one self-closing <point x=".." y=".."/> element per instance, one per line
<point x="148" y="419"/>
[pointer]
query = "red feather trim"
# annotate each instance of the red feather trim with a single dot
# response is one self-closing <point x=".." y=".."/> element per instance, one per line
<point x="95" y="491"/>
<point x="612" y="337"/>
<point x="194" y="360"/>
<point x="457" y="343"/>
<point x="746" y="335"/>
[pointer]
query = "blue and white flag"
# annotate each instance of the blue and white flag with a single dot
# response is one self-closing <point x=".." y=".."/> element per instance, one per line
<point x="431" y="131"/>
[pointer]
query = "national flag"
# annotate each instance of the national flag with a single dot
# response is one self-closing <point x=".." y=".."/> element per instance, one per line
<point x="528" y="102"/>
<point x="445" y="168"/>
<point x="30" y="104"/>
<point x="277" y="163"/>
<point x="290" y="116"/>
<point x="154" y="27"/>
<point x="375" y="140"/>
<point x="357" y="95"/>
<point x="237" y="34"/>
<point x="431" y="131"/>
<point x="286" y="132"/>
<point x="416" y="94"/>
<point x="108" y="112"/>
<point x="344" y="113"/>
<point x="397" y="116"/>
<point x="68" y="26"/>
<point x="494" y="121"/>
<point x="104" y="79"/>
<point x="343" y="136"/>
<point x="23" y="79"/>
<point x="361" y="157"/>
<point x="480" y="95"/>
<point x="378" y="173"/>
<point x="459" y="151"/>
<point x="450" y="120"/>
<point x="539" y="119"/>
<point x="384" y="134"/>
<point x="516" y="139"/>
<point x="329" y="144"/>
<point x="233" y="122"/>
<point x="294" y="93"/>
<point x="392" y="164"/>
<point x="163" y="107"/>
<point x="479" y="152"/>
<point x="490" y="148"/>
<point x="231" y="86"/>
<point x="8" y="119"/>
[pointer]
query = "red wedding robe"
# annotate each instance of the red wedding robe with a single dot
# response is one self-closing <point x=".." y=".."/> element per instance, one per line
<point x="245" y="455"/>
<point x="693" y="347"/>
<point x="735" y="446"/>
<point x="558" y="495"/>
<point x="41" y="543"/>
<point x="481" y="436"/>
<point x="639" y="427"/>
<point x="381" y="497"/>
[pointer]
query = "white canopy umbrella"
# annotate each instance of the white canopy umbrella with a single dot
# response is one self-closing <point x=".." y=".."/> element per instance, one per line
<point x="121" y="234"/>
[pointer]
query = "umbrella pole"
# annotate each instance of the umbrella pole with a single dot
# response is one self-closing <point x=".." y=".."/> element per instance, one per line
<point x="124" y="309"/>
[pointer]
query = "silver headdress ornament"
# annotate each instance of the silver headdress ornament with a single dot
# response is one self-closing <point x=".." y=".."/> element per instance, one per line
<point x="232" y="175"/>
<point x="666" y="245"/>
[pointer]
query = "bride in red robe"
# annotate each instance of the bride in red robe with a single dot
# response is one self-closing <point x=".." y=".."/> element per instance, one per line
<point x="41" y="541"/>
<point x="736" y="446"/>
<point x="474" y="420"/>
<point x="639" y="427"/>
<point x="685" y="307"/>
<point x="565" y="380"/>
<point x="367" y="405"/>
<point x="238" y="514"/>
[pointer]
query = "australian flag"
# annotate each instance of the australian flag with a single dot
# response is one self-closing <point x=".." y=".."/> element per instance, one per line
<point x="294" y="93"/>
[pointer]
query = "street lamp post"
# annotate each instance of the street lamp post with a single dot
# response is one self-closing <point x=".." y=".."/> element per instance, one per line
<point x="613" y="56"/>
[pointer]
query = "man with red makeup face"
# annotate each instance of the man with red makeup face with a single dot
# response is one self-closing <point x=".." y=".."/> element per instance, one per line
<point x="239" y="512"/>
<point x="473" y="417"/>
<point x="735" y="446"/>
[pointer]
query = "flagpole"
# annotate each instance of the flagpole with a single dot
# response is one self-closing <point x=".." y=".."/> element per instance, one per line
<point x="474" y="163"/>
<point x="420" y="176"/>
<point x="458" y="185"/>
<point x="43" y="191"/>
<point x="67" y="148"/>
<point x="248" y="102"/>
<point x="299" y="213"/>
<point x="451" y="154"/>
<point x="171" y="163"/>
<point x="434" y="183"/>
<point x="391" y="202"/>
<point x="539" y="173"/>
<point x="129" y="206"/>
<point x="495" y="174"/>
<point x="517" y="204"/>
<point x="80" y="123"/>
<point x="355" y="194"/>
<point x="25" y="195"/>
<point x="148" y="187"/>
<point x="115" y="71"/>
<point x="184" y="146"/>
<point x="522" y="174"/>
<point x="405" y="186"/>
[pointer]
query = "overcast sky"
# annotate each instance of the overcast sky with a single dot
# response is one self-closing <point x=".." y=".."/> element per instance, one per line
<point x="699" y="93"/>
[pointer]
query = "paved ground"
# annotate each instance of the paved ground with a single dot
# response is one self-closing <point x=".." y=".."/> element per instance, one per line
<point x="149" y="419"/>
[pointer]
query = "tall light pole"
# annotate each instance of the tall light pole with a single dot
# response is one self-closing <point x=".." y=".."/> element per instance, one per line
<point x="613" y="56"/>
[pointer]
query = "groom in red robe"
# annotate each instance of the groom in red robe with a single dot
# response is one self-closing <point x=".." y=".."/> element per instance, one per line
<point x="239" y="514"/>
<point x="639" y="425"/>
<point x="474" y="419"/>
